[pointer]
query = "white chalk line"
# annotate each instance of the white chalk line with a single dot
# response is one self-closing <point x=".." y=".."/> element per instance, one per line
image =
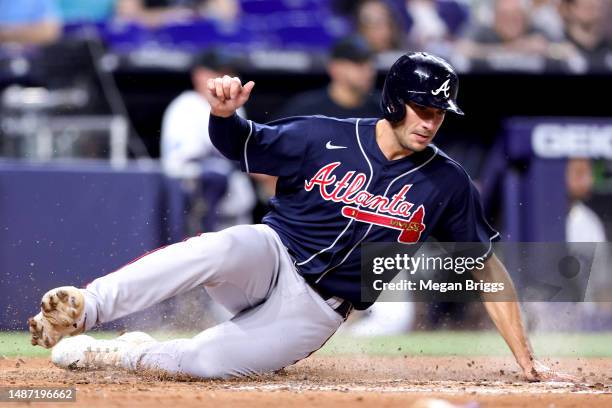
<point x="485" y="388"/>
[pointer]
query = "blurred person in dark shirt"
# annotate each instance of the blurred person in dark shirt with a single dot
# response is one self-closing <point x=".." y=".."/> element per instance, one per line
<point x="29" y="22"/>
<point x="375" y="21"/>
<point x="350" y="91"/>
<point x="585" y="29"/>
<point x="159" y="12"/>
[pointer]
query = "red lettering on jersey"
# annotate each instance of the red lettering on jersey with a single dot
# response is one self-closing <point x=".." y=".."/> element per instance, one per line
<point x="340" y="185"/>
<point x="398" y="206"/>
<point x="323" y="178"/>
<point x="353" y="188"/>
<point x="348" y="190"/>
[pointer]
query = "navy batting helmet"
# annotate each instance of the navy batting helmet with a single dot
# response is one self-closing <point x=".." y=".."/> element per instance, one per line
<point x="423" y="79"/>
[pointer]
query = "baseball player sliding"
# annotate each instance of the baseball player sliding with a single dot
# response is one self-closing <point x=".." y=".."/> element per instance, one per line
<point x="292" y="281"/>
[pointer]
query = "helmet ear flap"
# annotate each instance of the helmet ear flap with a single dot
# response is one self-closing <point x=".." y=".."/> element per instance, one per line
<point x="394" y="109"/>
<point x="392" y="100"/>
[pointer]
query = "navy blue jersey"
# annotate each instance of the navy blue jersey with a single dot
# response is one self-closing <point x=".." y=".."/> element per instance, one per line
<point x="336" y="189"/>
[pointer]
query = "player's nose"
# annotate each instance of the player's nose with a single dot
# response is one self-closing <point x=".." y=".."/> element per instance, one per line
<point x="428" y="124"/>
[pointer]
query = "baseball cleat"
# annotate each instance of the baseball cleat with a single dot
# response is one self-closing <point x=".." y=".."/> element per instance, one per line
<point x="85" y="352"/>
<point x="60" y="315"/>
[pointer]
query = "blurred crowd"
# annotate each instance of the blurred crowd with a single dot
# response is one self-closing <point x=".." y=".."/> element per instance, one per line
<point x="523" y="34"/>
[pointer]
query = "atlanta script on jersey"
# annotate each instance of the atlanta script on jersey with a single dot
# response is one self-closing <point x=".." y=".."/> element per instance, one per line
<point x="336" y="189"/>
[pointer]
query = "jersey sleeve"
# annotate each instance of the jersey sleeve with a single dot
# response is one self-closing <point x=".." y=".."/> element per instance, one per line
<point x="463" y="220"/>
<point x="277" y="148"/>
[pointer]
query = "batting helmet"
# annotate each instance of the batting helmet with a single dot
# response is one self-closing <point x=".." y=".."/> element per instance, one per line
<point x="421" y="78"/>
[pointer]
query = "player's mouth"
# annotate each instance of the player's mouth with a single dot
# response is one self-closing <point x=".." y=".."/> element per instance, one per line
<point x="421" y="138"/>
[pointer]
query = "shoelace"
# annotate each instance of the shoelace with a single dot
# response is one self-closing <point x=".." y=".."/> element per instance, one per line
<point x="101" y="356"/>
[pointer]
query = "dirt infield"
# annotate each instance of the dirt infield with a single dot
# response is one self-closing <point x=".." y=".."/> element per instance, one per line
<point x="330" y="382"/>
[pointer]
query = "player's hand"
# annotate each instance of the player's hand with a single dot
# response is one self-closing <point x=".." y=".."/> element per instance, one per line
<point x="227" y="94"/>
<point x="540" y="372"/>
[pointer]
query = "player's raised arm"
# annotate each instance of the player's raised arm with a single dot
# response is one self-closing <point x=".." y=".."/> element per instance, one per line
<point x="275" y="149"/>
<point x="228" y="132"/>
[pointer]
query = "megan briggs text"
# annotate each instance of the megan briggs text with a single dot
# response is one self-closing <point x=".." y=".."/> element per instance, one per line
<point x="430" y="285"/>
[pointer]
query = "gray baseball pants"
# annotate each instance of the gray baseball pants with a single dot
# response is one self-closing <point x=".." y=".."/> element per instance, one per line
<point x="279" y="319"/>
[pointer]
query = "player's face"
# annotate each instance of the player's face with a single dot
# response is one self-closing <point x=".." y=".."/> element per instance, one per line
<point x="419" y="127"/>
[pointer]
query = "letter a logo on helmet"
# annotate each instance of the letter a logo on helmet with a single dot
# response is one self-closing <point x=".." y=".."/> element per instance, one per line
<point x="421" y="78"/>
<point x="444" y="88"/>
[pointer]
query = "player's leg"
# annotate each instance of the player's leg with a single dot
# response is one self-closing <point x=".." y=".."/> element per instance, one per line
<point x="213" y="259"/>
<point x="292" y="323"/>
<point x="285" y="329"/>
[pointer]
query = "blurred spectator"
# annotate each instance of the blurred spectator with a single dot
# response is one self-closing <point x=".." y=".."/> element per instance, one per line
<point x="608" y="20"/>
<point x="585" y="25"/>
<point x="545" y="17"/>
<point x="512" y="42"/>
<point x="377" y="24"/>
<point x="159" y="12"/>
<point x="428" y="26"/>
<point x="81" y="11"/>
<point x="211" y="181"/>
<point x="583" y="224"/>
<point x="222" y="10"/>
<point x="29" y="22"/>
<point x="434" y="23"/>
<point x="350" y="91"/>
<point x="510" y="31"/>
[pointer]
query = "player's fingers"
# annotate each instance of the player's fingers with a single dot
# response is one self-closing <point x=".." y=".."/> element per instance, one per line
<point x="235" y="87"/>
<point x="246" y="92"/>
<point x="227" y="83"/>
<point x="210" y="93"/>
<point x="219" y="89"/>
<point x="210" y="84"/>
<point x="248" y="87"/>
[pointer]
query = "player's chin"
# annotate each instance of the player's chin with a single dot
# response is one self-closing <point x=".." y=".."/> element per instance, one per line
<point x="418" y="145"/>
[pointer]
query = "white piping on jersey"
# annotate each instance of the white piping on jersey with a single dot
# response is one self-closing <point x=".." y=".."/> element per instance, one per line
<point x="371" y="225"/>
<point x="246" y="160"/>
<point x="351" y="220"/>
<point x="486" y="255"/>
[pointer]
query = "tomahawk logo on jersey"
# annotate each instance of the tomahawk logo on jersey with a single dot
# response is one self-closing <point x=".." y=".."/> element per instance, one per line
<point x="329" y="201"/>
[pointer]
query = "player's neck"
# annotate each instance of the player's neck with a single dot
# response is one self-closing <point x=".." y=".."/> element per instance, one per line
<point x="387" y="142"/>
